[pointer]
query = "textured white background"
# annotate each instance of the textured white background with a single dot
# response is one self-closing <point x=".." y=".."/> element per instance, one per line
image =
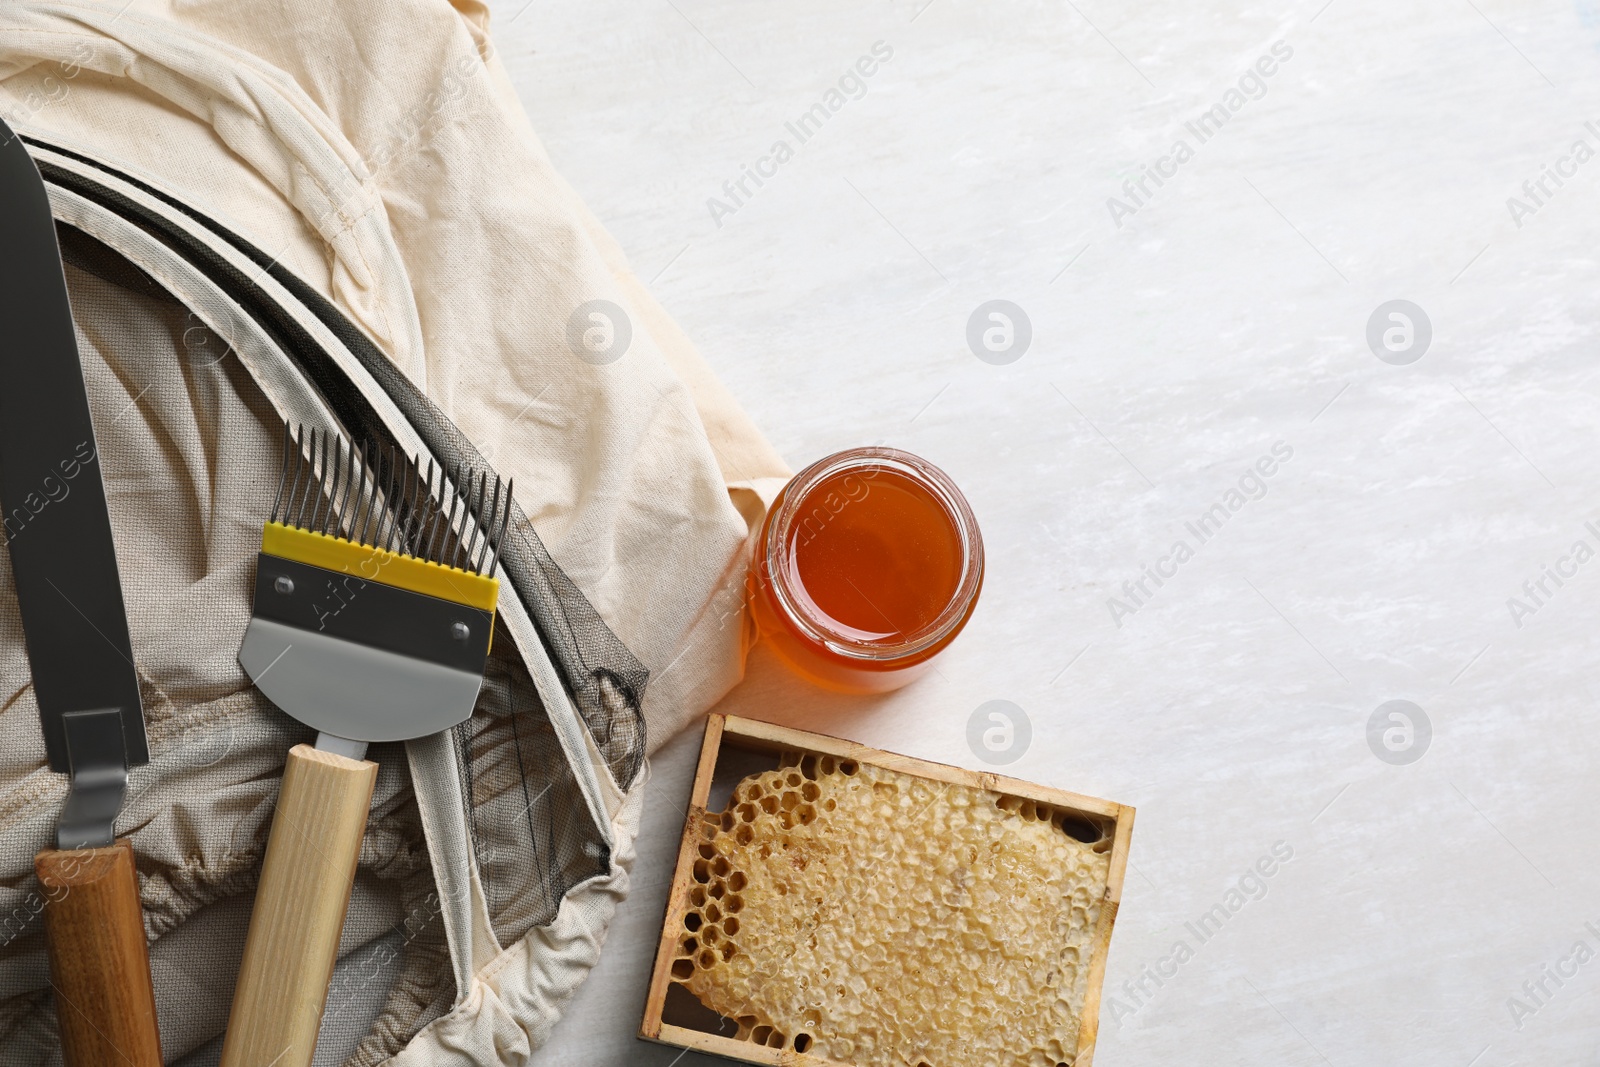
<point x="1168" y="355"/>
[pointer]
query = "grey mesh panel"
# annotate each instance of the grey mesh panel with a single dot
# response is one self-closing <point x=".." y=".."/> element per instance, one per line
<point x="514" y="774"/>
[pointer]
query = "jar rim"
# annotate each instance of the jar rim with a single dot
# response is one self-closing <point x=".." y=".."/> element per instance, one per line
<point x="926" y="640"/>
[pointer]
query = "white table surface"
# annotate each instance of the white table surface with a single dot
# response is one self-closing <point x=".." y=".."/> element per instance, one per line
<point x="1227" y="314"/>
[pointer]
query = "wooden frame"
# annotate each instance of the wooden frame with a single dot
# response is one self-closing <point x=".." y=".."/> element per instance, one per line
<point x="753" y="736"/>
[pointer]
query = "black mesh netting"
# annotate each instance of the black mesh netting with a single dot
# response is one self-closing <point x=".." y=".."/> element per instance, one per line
<point x="531" y="839"/>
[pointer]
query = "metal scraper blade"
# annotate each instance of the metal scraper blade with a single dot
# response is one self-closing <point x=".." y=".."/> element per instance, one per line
<point x="56" y="524"/>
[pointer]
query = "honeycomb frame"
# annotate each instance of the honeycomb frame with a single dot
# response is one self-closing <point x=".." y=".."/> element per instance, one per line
<point x="755" y="1043"/>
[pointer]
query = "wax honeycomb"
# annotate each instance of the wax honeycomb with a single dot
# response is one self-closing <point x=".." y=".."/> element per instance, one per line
<point x="876" y="918"/>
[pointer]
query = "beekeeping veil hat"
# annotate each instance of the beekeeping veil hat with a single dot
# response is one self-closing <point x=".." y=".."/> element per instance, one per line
<point x="334" y="212"/>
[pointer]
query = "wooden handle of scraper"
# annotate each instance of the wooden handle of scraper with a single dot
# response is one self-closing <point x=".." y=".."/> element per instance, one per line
<point x="299" y="911"/>
<point x="99" y="963"/>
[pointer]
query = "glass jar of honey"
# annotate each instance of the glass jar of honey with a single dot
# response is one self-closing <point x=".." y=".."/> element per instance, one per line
<point x="868" y="566"/>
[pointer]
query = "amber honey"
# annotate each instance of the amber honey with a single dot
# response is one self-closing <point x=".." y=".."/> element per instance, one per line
<point x="869" y="565"/>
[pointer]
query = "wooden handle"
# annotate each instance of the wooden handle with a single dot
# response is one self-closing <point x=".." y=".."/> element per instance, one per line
<point x="99" y="963"/>
<point x="299" y="911"/>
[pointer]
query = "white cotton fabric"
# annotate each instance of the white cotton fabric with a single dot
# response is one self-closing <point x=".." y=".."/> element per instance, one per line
<point x="514" y="1002"/>
<point x="379" y="152"/>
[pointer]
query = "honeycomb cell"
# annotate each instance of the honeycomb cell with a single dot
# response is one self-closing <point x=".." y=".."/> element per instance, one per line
<point x="883" y="919"/>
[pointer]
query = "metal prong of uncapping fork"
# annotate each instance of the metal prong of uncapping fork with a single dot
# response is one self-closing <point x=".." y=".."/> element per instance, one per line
<point x="294" y="480"/>
<point x="502" y="508"/>
<point x="368" y="497"/>
<point x="488" y="525"/>
<point x="373" y="523"/>
<point x="397" y="509"/>
<point x="305" y="471"/>
<point x="430" y="533"/>
<point x="435" y="503"/>
<point x="335" y="483"/>
<point x="329" y="480"/>
<point x="491" y="510"/>
<point x="505" y="524"/>
<point x="393" y="489"/>
<point x="322" y="485"/>
<point x="319" y="467"/>
<point x="465" y="536"/>
<point x="465" y="530"/>
<point x="447" y="498"/>
<point x="408" y="508"/>
<point x="463" y="496"/>
<point x="311" y="477"/>
<point x="381" y="484"/>
<point x="370" y="461"/>
<point x="447" y="548"/>
<point x="351" y="474"/>
<point x="408" y="531"/>
<point x="424" y="512"/>
<point x="283" y="470"/>
<point x="447" y="516"/>
<point x="341" y="497"/>
<point x="439" y="516"/>
<point x="475" y="513"/>
<point x="304" y="464"/>
<point x="364" y="496"/>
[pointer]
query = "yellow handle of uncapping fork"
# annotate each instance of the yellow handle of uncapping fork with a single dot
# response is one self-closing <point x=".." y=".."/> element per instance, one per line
<point x="299" y="910"/>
